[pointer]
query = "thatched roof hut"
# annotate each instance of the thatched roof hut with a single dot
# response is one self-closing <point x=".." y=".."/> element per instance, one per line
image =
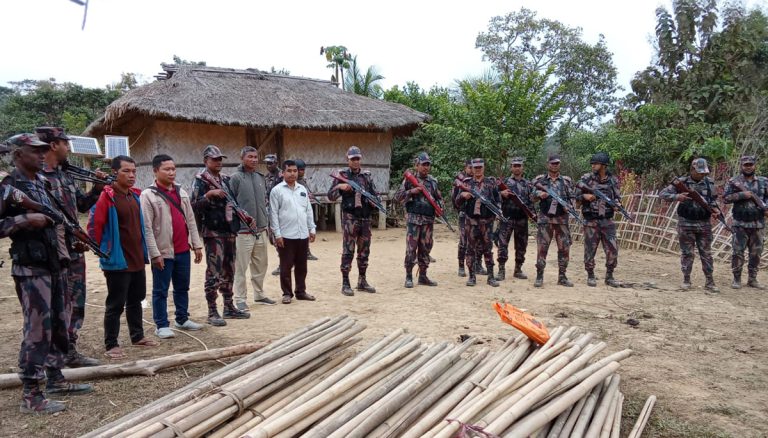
<point x="191" y="106"/>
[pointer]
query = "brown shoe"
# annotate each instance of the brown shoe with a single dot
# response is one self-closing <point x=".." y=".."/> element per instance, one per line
<point x="305" y="297"/>
<point x="286" y="299"/>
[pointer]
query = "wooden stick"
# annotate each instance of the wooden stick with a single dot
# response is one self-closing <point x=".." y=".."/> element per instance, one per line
<point x="616" y="430"/>
<point x="645" y="414"/>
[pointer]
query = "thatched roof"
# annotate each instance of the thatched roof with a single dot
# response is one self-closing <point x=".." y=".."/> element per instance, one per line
<point x="255" y="99"/>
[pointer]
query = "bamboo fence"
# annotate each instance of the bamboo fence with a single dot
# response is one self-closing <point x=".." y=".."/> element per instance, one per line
<point x="655" y="228"/>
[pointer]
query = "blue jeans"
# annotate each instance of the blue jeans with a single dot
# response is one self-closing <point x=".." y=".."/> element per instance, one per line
<point x="176" y="271"/>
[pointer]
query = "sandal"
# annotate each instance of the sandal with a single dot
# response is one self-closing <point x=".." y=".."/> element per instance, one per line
<point x="146" y="342"/>
<point x="115" y="353"/>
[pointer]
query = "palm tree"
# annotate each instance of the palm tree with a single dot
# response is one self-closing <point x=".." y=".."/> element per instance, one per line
<point x="338" y="59"/>
<point x="363" y="84"/>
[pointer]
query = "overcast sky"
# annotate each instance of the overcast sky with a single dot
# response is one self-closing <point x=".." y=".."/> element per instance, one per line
<point x="429" y="42"/>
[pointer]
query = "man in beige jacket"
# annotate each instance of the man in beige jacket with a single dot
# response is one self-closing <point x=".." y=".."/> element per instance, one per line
<point x="170" y="231"/>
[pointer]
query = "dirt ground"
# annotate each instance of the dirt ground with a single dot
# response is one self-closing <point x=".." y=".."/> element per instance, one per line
<point x="704" y="355"/>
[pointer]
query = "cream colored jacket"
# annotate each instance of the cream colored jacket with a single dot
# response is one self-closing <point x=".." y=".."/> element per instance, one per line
<point x="158" y="227"/>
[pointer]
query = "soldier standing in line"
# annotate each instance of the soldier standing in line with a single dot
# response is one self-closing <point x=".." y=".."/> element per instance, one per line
<point x="302" y="166"/>
<point x="518" y="221"/>
<point x="73" y="201"/>
<point x="694" y="229"/>
<point x="356" y="220"/>
<point x="39" y="279"/>
<point x="461" y="176"/>
<point x="215" y="220"/>
<point x="272" y="178"/>
<point x="553" y="221"/>
<point x="420" y="220"/>
<point x="747" y="191"/>
<point x="479" y="219"/>
<point x="599" y="218"/>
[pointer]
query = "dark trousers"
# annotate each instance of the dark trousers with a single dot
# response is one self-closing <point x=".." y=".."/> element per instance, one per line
<point x="176" y="271"/>
<point x="125" y="290"/>
<point x="293" y="254"/>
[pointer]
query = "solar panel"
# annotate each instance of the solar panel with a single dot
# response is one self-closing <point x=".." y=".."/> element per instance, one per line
<point x="116" y="145"/>
<point x="84" y="145"/>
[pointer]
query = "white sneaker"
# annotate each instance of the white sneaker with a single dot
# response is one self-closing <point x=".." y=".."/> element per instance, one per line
<point x="188" y="325"/>
<point x="165" y="333"/>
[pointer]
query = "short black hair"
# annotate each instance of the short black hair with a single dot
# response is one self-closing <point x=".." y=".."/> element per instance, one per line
<point x="287" y="163"/>
<point x="117" y="161"/>
<point x="159" y="159"/>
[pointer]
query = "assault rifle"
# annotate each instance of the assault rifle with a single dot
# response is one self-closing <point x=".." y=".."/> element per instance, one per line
<point x="439" y="213"/>
<point x="613" y="203"/>
<point x="565" y="204"/>
<point x="519" y="202"/>
<point x="697" y="198"/>
<point x="753" y="196"/>
<point x="246" y="218"/>
<point x="373" y="199"/>
<point x="483" y="200"/>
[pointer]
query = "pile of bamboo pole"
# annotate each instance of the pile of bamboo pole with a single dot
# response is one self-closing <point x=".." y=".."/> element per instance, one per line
<point x="311" y="384"/>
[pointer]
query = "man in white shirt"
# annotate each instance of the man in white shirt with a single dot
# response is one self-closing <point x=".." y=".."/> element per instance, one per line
<point x="293" y="226"/>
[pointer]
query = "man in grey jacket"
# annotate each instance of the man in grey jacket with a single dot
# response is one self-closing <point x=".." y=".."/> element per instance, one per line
<point x="249" y="189"/>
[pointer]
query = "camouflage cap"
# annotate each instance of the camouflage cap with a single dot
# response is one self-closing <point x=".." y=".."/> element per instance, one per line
<point x="748" y="159"/>
<point x="25" y="139"/>
<point x="700" y="165"/>
<point x="423" y="158"/>
<point x="478" y="162"/>
<point x="212" y="151"/>
<point x="300" y="164"/>
<point x="270" y="158"/>
<point x="516" y="160"/>
<point x="553" y="158"/>
<point x="354" y="152"/>
<point x="50" y="134"/>
<point x="600" y="158"/>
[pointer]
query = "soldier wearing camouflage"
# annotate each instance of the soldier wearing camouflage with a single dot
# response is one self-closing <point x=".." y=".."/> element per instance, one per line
<point x="598" y="215"/>
<point x="694" y="228"/>
<point x="302" y="167"/>
<point x="39" y="280"/>
<point x="356" y="221"/>
<point x="69" y="196"/>
<point x="461" y="176"/>
<point x="420" y="219"/>
<point x="517" y="226"/>
<point x="479" y="220"/>
<point x="218" y="225"/>
<point x="553" y="221"/>
<point x="748" y="220"/>
<point x="272" y="178"/>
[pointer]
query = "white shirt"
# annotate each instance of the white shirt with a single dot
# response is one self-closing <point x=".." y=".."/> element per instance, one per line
<point x="290" y="213"/>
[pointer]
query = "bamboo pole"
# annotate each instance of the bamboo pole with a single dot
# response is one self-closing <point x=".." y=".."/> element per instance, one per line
<point x="605" y="431"/>
<point x="559" y="422"/>
<point x="603" y="408"/>
<point x="589" y="408"/>
<point x="642" y="420"/>
<point x="572" y="417"/>
<point x="616" y="430"/>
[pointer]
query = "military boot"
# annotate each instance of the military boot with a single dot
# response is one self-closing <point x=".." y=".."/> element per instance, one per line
<point x="710" y="284"/>
<point x="232" y="312"/>
<point x="462" y="271"/>
<point x="75" y="359"/>
<point x="472" y="280"/>
<point x="753" y="283"/>
<point x="57" y="384"/>
<point x="424" y="280"/>
<point x="34" y="402"/>
<point x="346" y="288"/>
<point x="563" y="280"/>
<point x="362" y="284"/>
<point x="491" y="278"/>
<point x="519" y="272"/>
<point x="502" y="274"/>
<point x="408" y="278"/>
<point x="479" y="269"/>
<point x="215" y="319"/>
<point x="539" y="278"/>
<point x="736" y="284"/>
<point x="591" y="280"/>
<point x="686" y="282"/>
<point x="610" y="281"/>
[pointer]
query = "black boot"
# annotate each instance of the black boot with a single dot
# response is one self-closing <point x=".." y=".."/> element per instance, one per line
<point x="215" y="319"/>
<point x="736" y="281"/>
<point x="346" y="288"/>
<point x="563" y="280"/>
<point x="753" y="283"/>
<point x="34" y="402"/>
<point x="539" y="278"/>
<point x="686" y="282"/>
<point x="424" y="280"/>
<point x="610" y="281"/>
<point x="462" y="271"/>
<point x="502" y="274"/>
<point x="75" y="359"/>
<point x="479" y="269"/>
<point x="491" y="279"/>
<point x="232" y="312"/>
<point x="57" y="384"/>
<point x="408" y="278"/>
<point x="519" y="272"/>
<point x="710" y="284"/>
<point x="472" y="280"/>
<point x="362" y="284"/>
<point x="591" y="280"/>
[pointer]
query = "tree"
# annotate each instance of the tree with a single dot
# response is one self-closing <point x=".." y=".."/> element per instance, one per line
<point x="178" y="60"/>
<point x="338" y="59"/>
<point x="281" y="71"/>
<point x="520" y="40"/>
<point x="363" y="84"/>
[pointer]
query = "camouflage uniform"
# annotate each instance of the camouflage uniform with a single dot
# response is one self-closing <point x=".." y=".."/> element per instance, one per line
<point x="215" y="223"/>
<point x="600" y="225"/>
<point x="74" y="201"/>
<point x="271" y="179"/>
<point x="748" y="223"/>
<point x="553" y="223"/>
<point x="517" y="225"/>
<point x="479" y="225"/>
<point x="356" y="225"/>
<point x="693" y="226"/>
<point x="420" y="219"/>
<point x="462" y="224"/>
